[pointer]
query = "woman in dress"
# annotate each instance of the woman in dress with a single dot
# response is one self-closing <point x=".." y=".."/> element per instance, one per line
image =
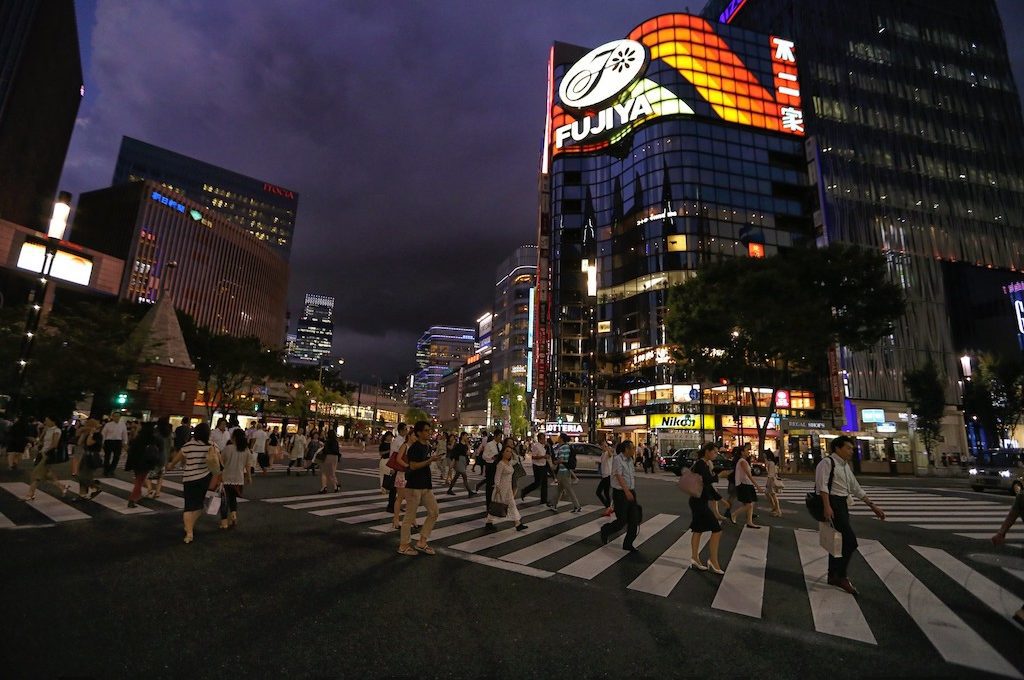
<point x="196" y="475"/>
<point x="746" y="489"/>
<point x="49" y="449"/>
<point x="143" y="457"/>
<point x="332" y="454"/>
<point x="91" y="442"/>
<point x="703" y="518"/>
<point x="234" y="458"/>
<point x="773" y="486"/>
<point x="460" y="461"/>
<point x="504" y="492"/>
<point x="165" y="433"/>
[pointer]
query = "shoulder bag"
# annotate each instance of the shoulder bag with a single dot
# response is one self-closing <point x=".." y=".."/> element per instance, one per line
<point x="691" y="483"/>
<point x="496" y="509"/>
<point x="815" y="505"/>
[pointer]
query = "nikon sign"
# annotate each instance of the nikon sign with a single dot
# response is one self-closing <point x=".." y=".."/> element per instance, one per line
<point x="679" y="421"/>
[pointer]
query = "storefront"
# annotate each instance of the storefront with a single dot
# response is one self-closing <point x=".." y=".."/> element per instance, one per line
<point x="802" y="443"/>
<point x="679" y="431"/>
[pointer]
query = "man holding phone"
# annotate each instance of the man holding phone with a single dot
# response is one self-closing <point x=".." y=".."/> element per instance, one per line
<point x="419" y="490"/>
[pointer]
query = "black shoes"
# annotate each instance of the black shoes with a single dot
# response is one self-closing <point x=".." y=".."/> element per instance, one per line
<point x="604" y="536"/>
<point x="520" y="527"/>
<point x="631" y="549"/>
<point x="490" y="527"/>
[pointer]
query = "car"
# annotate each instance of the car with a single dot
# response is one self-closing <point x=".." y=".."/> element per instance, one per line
<point x="588" y="456"/>
<point x="676" y="460"/>
<point x="723" y="462"/>
<point x="1000" y="469"/>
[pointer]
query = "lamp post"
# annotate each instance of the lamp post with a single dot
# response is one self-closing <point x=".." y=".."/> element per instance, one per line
<point x="329" y="362"/>
<point x="39" y="294"/>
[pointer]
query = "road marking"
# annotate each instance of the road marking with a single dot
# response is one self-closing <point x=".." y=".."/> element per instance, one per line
<point x="166" y="499"/>
<point x="1019" y="573"/>
<point x="742" y="587"/>
<point x="56" y="510"/>
<point x="666" y="571"/>
<point x="174" y="486"/>
<point x="497" y="538"/>
<point x="551" y="545"/>
<point x="330" y="512"/>
<point x="492" y="562"/>
<point x="5" y="522"/>
<point x="595" y="562"/>
<point x="336" y="500"/>
<point x="313" y="496"/>
<point x="998" y="599"/>
<point x="835" y="611"/>
<point x="984" y="535"/>
<point x="118" y="504"/>
<point x="976" y="524"/>
<point x="471" y="525"/>
<point x="953" y="639"/>
<point x="529" y="509"/>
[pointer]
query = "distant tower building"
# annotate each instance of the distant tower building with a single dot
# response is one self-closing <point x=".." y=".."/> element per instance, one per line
<point x="265" y="210"/>
<point x="315" y="335"/>
<point x="438" y="350"/>
<point x="514" y="282"/>
<point x="40" y="90"/>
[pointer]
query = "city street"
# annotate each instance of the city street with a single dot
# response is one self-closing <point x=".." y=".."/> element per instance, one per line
<point x="311" y="585"/>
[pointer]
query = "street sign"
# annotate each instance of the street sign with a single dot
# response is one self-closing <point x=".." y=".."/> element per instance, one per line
<point x="694" y="394"/>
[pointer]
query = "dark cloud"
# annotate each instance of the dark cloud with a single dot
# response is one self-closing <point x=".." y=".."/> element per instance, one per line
<point x="412" y="131"/>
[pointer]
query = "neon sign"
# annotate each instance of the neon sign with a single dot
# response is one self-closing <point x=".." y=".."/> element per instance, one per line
<point x="273" y="189"/>
<point x="731" y="11"/>
<point x="169" y="202"/>
<point x="603" y="73"/>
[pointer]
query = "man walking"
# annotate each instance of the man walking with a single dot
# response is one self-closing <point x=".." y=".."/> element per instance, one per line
<point x="258" y="445"/>
<point x="419" y="491"/>
<point x="115" y="439"/>
<point x="834" y="481"/>
<point x="623" y="496"/>
<point x="539" y="460"/>
<point x="490" y="458"/>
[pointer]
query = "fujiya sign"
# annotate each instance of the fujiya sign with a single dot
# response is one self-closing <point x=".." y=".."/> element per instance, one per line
<point x="598" y="77"/>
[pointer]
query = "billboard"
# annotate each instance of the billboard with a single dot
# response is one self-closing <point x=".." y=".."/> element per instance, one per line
<point x="674" y="64"/>
<point x="67" y="266"/>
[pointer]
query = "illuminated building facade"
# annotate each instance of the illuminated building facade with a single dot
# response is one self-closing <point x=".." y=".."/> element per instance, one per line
<point x="510" y="326"/>
<point x="225" y="279"/>
<point x="439" y="349"/>
<point x="314" y="336"/>
<point x="915" y="131"/>
<point x="265" y="210"/>
<point x="680" y="145"/>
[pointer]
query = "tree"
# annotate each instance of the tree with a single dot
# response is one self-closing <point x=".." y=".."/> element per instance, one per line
<point x="509" y="397"/>
<point x="415" y="414"/>
<point x="927" y="401"/>
<point x="309" y="399"/>
<point x="997" y="396"/>
<point x="760" y="321"/>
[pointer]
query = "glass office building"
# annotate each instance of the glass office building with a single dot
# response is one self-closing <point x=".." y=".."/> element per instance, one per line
<point x="314" y="336"/>
<point x="511" y="321"/>
<point x="439" y="349"/>
<point x="679" y="145"/>
<point x="914" y="122"/>
<point x="265" y="210"/>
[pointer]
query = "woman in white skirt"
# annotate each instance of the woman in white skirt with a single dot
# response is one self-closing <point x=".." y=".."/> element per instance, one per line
<point x="772" y="486"/>
<point x="503" y="491"/>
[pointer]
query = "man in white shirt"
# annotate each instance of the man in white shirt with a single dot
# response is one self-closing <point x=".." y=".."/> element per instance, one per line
<point x="297" y="451"/>
<point x="115" y="439"/>
<point x="489" y="454"/>
<point x="539" y="460"/>
<point x="834" y="481"/>
<point x="220" y="436"/>
<point x="623" y="479"/>
<point x="258" y="444"/>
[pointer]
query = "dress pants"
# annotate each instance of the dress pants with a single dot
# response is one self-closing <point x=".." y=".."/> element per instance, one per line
<point x="841" y="521"/>
<point x="622" y="518"/>
<point x="111" y="454"/>
<point x="540" y="481"/>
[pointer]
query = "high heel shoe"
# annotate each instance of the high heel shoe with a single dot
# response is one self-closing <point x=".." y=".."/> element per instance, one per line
<point x="698" y="566"/>
<point x="715" y="569"/>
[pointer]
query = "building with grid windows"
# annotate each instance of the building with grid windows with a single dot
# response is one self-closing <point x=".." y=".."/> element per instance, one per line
<point x="510" y="323"/>
<point x="224" y="278"/>
<point x="265" y="210"/>
<point x="439" y="349"/>
<point x="314" y="336"/>
<point x="916" y="137"/>
<point x="678" y="145"/>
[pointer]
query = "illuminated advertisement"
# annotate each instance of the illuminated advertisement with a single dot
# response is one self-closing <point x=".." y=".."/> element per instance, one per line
<point x="679" y="421"/>
<point x="66" y="266"/>
<point x="872" y="415"/>
<point x="674" y="64"/>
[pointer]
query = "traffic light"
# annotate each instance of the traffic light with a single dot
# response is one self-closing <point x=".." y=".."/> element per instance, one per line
<point x="121" y="399"/>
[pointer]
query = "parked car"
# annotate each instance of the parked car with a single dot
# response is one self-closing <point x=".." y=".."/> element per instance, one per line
<point x="724" y="462"/>
<point x="676" y="460"/>
<point x="588" y="457"/>
<point x="1001" y="469"/>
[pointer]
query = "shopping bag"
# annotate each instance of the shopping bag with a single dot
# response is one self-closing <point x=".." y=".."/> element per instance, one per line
<point x="211" y="504"/>
<point x="830" y="539"/>
<point x="691" y="483"/>
<point x="496" y="509"/>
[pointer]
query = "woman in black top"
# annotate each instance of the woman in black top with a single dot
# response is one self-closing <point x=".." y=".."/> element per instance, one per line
<point x="703" y="518"/>
<point x="382" y="465"/>
<point x="460" y="459"/>
<point x="332" y="455"/>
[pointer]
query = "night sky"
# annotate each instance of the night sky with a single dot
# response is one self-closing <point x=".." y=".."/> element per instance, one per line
<point x="411" y="130"/>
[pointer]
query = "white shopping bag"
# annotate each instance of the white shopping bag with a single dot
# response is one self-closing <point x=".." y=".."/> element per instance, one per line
<point x="830" y="539"/>
<point x="212" y="503"/>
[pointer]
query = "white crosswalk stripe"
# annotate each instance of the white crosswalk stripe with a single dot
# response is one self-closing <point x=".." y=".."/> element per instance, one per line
<point x="835" y="612"/>
<point x="59" y="509"/>
<point x="742" y="586"/>
<point x="597" y="561"/>
<point x="666" y="571"/>
<point x="54" y="509"/>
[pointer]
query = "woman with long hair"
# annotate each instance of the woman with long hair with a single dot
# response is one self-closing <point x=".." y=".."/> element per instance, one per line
<point x="384" y="450"/>
<point x="143" y="456"/>
<point x="235" y="458"/>
<point x="460" y="461"/>
<point x="332" y="454"/>
<point x="503" y="490"/>
<point x="703" y="519"/>
<point x="772" y="485"/>
<point x="746" y="488"/>
<point x="196" y="455"/>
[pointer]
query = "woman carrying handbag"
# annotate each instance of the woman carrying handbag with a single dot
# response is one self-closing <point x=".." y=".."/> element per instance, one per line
<point x="503" y="501"/>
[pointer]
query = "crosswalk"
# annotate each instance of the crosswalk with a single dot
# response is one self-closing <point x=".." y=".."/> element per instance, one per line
<point x="565" y="545"/>
<point x="975" y="518"/>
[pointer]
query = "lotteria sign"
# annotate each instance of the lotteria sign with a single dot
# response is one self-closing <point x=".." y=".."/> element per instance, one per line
<point x="614" y="88"/>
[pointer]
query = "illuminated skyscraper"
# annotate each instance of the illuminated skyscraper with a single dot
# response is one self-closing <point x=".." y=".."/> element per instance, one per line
<point x="438" y="350"/>
<point x="314" y="336"/>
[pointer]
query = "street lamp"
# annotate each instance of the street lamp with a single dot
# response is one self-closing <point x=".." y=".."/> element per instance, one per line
<point x="39" y="294"/>
<point x="331" y="363"/>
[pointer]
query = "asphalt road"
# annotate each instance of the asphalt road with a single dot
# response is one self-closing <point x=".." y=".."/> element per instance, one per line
<point x="291" y="593"/>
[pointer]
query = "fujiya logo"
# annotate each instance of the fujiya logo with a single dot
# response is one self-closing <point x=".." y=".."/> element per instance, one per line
<point x="605" y="120"/>
<point x="602" y="73"/>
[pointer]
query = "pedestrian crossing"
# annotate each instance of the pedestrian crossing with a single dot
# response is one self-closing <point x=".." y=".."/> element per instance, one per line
<point x="965" y="517"/>
<point x="50" y="508"/>
<point x="915" y="579"/>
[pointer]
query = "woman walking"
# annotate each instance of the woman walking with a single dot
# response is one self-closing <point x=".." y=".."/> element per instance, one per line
<point x="746" y="489"/>
<point x="384" y="451"/>
<point x="274" y="446"/>
<point x="460" y="461"/>
<point x="196" y="454"/>
<point x="399" y="487"/>
<point x="17" y="442"/>
<point x="332" y="454"/>
<point x="91" y="442"/>
<point x="604" y="487"/>
<point x="565" y="474"/>
<point x="143" y="457"/>
<point x="49" y="451"/>
<point x="703" y="518"/>
<point x="313" y="450"/>
<point x="155" y="481"/>
<point x="503" y="489"/>
<point x="296" y="451"/>
<point x="773" y="485"/>
<point x="234" y="458"/>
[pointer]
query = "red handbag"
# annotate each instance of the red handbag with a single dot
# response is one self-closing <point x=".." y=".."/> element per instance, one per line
<point x="394" y="463"/>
